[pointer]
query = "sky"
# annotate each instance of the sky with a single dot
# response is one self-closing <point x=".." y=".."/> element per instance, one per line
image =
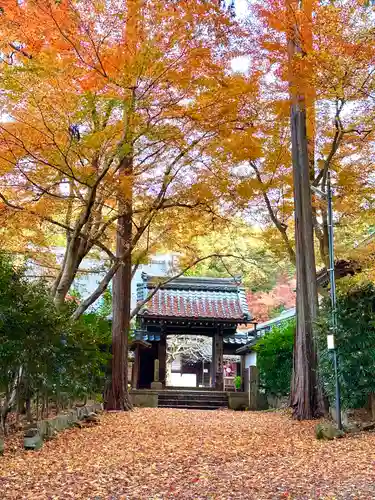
<point x="242" y="7"/>
<point x="241" y="64"/>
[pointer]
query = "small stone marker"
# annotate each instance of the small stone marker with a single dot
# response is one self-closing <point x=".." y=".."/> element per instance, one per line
<point x="327" y="431"/>
<point x="156" y="370"/>
<point x="92" y="418"/>
<point x="156" y="384"/>
<point x="368" y="426"/>
<point x="32" y="439"/>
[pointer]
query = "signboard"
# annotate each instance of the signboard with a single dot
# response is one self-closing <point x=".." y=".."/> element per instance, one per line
<point x="330" y="342"/>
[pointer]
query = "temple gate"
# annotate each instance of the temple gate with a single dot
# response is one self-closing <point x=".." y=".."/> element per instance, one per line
<point x="212" y="307"/>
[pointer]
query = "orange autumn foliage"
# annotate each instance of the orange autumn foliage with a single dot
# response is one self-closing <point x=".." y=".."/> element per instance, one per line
<point x="89" y="85"/>
<point x="335" y="73"/>
<point x="264" y="304"/>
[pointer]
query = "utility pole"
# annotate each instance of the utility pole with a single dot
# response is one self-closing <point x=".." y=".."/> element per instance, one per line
<point x="331" y="339"/>
<point x="333" y="299"/>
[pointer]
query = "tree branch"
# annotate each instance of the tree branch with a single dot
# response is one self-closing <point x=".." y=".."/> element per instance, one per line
<point x="101" y="288"/>
<point x="339" y="133"/>
<point x="279" y="225"/>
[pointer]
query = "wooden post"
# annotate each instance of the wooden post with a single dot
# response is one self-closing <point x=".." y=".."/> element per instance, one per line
<point x="135" y="374"/>
<point x="213" y="363"/>
<point x="242" y="372"/>
<point x="253" y="387"/>
<point x="162" y="355"/>
<point x="219" y="378"/>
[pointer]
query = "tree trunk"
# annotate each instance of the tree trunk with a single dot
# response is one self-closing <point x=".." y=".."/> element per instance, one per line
<point x="117" y="397"/>
<point x="305" y="399"/>
<point x="305" y="395"/>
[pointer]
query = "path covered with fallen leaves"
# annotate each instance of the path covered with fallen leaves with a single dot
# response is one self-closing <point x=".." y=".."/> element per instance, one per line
<point x="185" y="454"/>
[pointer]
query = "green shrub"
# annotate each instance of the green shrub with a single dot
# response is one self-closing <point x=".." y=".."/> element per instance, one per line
<point x="42" y="351"/>
<point x="275" y="358"/>
<point x="237" y="382"/>
<point x="355" y="341"/>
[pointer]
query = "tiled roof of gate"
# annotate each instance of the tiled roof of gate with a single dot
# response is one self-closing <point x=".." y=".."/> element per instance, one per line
<point x="196" y="298"/>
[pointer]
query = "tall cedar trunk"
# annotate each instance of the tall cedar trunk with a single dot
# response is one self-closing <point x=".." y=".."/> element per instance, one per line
<point x="117" y="397"/>
<point x="305" y="395"/>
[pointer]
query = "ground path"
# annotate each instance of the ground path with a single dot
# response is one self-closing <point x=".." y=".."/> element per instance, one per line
<point x="185" y="454"/>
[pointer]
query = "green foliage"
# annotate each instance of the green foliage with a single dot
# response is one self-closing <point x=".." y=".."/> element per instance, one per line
<point x="355" y="340"/>
<point x="275" y="358"/>
<point x="41" y="349"/>
<point x="237" y="382"/>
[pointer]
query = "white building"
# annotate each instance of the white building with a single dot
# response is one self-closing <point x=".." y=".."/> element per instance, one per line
<point x="92" y="271"/>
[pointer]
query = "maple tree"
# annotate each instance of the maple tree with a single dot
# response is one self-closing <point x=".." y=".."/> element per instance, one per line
<point x="124" y="122"/>
<point x="247" y="257"/>
<point x="316" y="62"/>
<point x="63" y="146"/>
<point x="336" y="74"/>
<point x="263" y="303"/>
<point x="109" y="109"/>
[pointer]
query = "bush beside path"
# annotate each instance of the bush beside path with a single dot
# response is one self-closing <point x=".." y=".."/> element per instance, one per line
<point x="184" y="454"/>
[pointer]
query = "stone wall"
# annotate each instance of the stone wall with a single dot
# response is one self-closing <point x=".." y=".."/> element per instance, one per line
<point x="238" y="400"/>
<point x="277" y="402"/>
<point x="49" y="428"/>
<point x="144" y="398"/>
<point x="37" y="432"/>
<point x="65" y="420"/>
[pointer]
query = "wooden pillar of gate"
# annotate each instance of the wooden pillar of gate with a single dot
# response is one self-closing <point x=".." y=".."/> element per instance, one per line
<point x="213" y="364"/>
<point x="242" y="373"/>
<point x="135" y="368"/>
<point x="217" y="356"/>
<point x="162" y="356"/>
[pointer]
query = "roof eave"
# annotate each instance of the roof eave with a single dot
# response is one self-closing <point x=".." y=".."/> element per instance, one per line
<point x="246" y="348"/>
<point x="191" y="318"/>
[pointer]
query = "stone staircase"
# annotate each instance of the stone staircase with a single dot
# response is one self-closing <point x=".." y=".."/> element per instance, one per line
<point x="193" y="399"/>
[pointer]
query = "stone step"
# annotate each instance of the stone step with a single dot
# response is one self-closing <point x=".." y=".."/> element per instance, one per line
<point x="192" y="402"/>
<point x="189" y="407"/>
<point x="191" y="389"/>
<point x="193" y="393"/>
<point x="195" y="400"/>
<point x="194" y="397"/>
